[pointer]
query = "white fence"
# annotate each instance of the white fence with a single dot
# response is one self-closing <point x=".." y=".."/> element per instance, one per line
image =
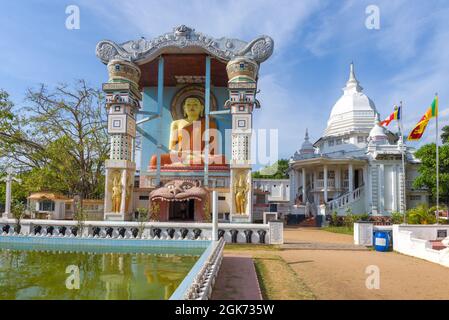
<point x="231" y="232"/>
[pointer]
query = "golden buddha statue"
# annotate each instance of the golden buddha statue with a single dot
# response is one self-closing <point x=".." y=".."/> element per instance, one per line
<point x="187" y="143"/>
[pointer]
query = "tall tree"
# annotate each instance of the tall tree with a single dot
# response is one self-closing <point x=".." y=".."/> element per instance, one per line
<point x="427" y="169"/>
<point x="445" y="134"/>
<point x="59" y="140"/>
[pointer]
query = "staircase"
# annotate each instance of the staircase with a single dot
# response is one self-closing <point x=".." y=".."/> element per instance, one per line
<point x="309" y="222"/>
<point x="348" y="200"/>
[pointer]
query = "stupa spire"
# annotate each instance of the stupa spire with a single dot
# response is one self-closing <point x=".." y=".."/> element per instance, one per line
<point x="352" y="85"/>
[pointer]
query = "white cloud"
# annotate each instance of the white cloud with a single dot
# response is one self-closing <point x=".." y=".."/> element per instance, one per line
<point x="245" y="19"/>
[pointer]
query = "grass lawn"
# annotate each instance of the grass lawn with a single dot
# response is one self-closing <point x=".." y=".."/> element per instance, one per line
<point x="278" y="281"/>
<point x="342" y="229"/>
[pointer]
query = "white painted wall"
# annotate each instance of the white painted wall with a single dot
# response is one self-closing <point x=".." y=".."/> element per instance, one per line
<point x="414" y="241"/>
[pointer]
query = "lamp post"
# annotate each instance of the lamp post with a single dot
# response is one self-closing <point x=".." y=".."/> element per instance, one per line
<point x="8" y="179"/>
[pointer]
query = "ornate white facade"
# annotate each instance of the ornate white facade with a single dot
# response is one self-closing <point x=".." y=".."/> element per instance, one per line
<point x="356" y="166"/>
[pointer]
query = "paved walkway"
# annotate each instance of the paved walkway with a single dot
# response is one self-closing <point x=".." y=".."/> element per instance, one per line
<point x="236" y="280"/>
<point x="341" y="274"/>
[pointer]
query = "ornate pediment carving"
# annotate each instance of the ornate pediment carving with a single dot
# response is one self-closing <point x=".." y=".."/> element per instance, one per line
<point x="182" y="37"/>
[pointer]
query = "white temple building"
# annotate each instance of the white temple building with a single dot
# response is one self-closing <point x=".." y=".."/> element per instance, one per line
<point x="356" y="166"/>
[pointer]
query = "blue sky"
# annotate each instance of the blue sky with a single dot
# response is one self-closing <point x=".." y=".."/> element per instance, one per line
<point x="406" y="59"/>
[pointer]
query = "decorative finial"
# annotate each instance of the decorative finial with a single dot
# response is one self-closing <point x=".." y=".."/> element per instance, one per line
<point x="351" y="72"/>
<point x="306" y="138"/>
<point x="352" y="82"/>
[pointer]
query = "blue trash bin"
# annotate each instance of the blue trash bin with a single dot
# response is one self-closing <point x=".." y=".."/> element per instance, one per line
<point x="382" y="241"/>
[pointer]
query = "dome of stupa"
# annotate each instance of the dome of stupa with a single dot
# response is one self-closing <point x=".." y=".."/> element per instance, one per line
<point x="354" y="111"/>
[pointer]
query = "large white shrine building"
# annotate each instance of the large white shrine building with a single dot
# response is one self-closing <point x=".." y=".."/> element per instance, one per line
<point x="356" y="166"/>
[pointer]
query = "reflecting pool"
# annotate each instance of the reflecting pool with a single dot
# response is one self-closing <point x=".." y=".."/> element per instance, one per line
<point x="32" y="273"/>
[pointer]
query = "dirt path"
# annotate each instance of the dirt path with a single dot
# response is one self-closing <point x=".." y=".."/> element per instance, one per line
<point x="341" y="274"/>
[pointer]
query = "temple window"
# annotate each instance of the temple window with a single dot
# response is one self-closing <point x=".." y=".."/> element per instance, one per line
<point x="331" y="143"/>
<point x="361" y="139"/>
<point x="338" y="141"/>
<point x="46" y="205"/>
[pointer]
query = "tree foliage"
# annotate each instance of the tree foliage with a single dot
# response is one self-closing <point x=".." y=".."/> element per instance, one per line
<point x="276" y="171"/>
<point x="427" y="170"/>
<point x="58" y="141"/>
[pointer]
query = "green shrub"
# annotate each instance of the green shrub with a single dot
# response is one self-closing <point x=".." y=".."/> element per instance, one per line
<point x="397" y="218"/>
<point x="421" y="215"/>
<point x="363" y="217"/>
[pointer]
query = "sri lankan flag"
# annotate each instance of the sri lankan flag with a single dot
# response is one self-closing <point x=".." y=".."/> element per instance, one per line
<point x="420" y="127"/>
<point x="396" y="115"/>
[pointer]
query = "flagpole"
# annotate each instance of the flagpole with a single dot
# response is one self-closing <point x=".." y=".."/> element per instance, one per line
<point x="437" y="161"/>
<point x="403" y="149"/>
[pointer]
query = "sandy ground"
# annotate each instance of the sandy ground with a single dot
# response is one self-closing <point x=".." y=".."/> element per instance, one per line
<point x="341" y="274"/>
<point x="292" y="235"/>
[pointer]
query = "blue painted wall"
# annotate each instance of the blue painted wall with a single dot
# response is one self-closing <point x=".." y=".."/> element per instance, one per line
<point x="150" y="104"/>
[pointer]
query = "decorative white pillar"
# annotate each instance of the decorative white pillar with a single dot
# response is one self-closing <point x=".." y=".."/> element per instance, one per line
<point x="214" y="216"/>
<point x="304" y="191"/>
<point x="350" y="177"/>
<point x="122" y="103"/>
<point x="337" y="178"/>
<point x="242" y="83"/>
<point x="325" y="183"/>
<point x="381" y="188"/>
<point x="366" y="184"/>
<point x="8" y="179"/>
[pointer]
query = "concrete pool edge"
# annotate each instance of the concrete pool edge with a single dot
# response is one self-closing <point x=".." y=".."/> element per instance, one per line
<point x="198" y="283"/>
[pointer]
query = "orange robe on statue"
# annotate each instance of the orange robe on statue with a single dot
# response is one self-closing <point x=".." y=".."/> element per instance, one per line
<point x="190" y="147"/>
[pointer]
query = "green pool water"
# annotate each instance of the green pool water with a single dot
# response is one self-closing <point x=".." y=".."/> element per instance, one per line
<point x="37" y="274"/>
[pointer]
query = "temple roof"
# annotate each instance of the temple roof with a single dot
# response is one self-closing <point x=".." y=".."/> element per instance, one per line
<point x="184" y="52"/>
<point x="184" y="39"/>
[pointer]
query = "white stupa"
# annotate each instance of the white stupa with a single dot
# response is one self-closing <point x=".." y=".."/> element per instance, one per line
<point x="353" y="112"/>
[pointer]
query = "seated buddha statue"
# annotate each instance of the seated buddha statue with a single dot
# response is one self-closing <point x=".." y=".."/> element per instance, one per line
<point x="187" y="139"/>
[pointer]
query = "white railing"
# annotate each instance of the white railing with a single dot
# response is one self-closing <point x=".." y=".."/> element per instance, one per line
<point x="230" y="232"/>
<point x="320" y="183"/>
<point x="345" y="200"/>
<point x="198" y="284"/>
